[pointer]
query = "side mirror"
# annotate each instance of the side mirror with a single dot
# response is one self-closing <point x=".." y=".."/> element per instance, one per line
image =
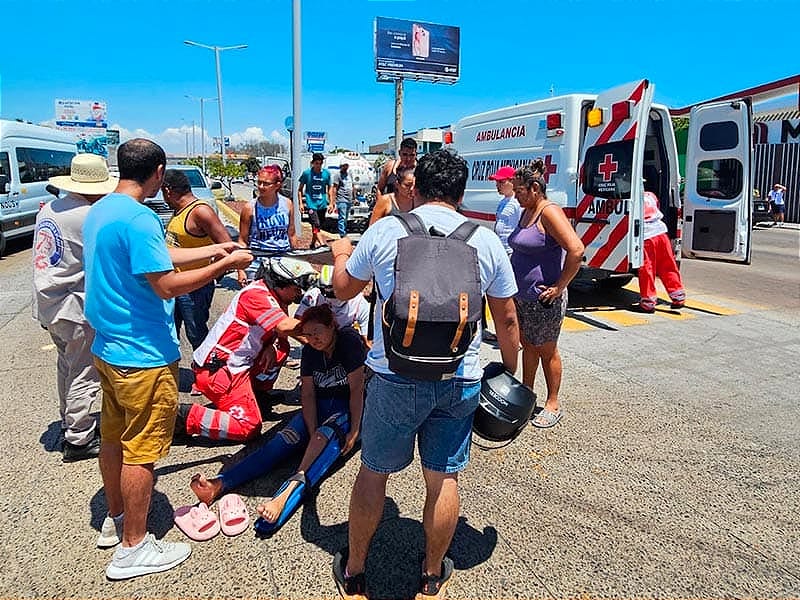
<point x="216" y="185"/>
<point x="5" y="187"/>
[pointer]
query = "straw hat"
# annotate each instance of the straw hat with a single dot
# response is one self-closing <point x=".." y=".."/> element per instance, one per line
<point x="88" y="174"/>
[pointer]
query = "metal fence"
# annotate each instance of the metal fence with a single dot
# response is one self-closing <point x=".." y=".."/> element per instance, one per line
<point x="779" y="163"/>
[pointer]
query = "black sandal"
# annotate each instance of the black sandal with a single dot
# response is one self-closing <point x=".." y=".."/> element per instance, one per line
<point x="433" y="586"/>
<point x="350" y="588"/>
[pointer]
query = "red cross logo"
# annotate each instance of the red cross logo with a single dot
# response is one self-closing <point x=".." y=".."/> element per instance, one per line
<point x="608" y="167"/>
<point x="550" y="168"/>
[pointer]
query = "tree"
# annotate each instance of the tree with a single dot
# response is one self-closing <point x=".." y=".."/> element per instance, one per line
<point x="252" y="164"/>
<point x="264" y="148"/>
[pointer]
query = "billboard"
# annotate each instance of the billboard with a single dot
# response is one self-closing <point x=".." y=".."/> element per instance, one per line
<point x="86" y="120"/>
<point x="416" y="50"/>
<point x="81" y="113"/>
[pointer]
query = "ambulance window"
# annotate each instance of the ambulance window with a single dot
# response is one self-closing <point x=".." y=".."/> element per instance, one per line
<point x="719" y="136"/>
<point x="607" y="170"/>
<point x="720" y="178"/>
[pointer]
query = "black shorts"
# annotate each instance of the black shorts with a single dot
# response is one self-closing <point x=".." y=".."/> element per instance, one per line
<point x="317" y="217"/>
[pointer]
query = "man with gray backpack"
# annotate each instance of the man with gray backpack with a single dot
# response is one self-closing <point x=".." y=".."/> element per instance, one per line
<point x="431" y="268"/>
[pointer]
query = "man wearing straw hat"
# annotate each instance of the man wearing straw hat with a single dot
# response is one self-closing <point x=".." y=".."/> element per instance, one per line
<point x="58" y="282"/>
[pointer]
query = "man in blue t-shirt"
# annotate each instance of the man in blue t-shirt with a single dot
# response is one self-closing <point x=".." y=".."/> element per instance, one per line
<point x="130" y="289"/>
<point x="313" y="195"/>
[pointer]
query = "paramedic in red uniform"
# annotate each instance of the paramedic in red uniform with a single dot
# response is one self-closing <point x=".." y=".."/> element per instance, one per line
<point x="245" y="350"/>
<point x="658" y="260"/>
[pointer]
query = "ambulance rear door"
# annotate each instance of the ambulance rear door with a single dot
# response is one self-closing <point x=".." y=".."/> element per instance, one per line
<point x="718" y="194"/>
<point x="608" y="213"/>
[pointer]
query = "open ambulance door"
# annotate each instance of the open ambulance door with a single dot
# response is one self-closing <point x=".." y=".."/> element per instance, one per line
<point x="717" y="208"/>
<point x="608" y="211"/>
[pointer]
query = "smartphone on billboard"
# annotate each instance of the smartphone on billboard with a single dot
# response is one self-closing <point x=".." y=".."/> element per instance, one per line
<point x="420" y="41"/>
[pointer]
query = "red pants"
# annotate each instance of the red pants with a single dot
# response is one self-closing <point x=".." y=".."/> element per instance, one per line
<point x="234" y="416"/>
<point x="659" y="260"/>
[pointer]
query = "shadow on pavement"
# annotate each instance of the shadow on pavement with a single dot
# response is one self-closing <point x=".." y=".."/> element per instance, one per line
<point x="396" y="551"/>
<point x="159" y="519"/>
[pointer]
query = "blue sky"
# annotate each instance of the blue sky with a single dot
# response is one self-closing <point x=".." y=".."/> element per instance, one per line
<point x="131" y="54"/>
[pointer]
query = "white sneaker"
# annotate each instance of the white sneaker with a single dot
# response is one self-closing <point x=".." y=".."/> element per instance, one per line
<point x="110" y="532"/>
<point x="150" y="556"/>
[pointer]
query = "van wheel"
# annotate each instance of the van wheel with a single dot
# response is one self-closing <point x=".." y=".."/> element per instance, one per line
<point x="615" y="283"/>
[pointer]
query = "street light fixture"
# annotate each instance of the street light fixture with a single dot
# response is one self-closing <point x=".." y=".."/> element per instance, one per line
<point x="217" y="50"/>
<point x="202" y="126"/>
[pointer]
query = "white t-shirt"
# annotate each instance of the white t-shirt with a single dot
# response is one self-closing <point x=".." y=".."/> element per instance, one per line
<point x="375" y="254"/>
<point x="353" y="312"/>
<point x="776" y="197"/>
<point x="507" y="218"/>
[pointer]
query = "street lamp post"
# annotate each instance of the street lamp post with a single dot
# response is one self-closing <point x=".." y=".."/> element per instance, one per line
<point x="202" y="127"/>
<point x="217" y="50"/>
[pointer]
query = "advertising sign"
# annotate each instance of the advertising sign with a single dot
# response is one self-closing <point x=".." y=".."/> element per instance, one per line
<point x="112" y="137"/>
<point x="86" y="119"/>
<point x="81" y="113"/>
<point x="416" y="50"/>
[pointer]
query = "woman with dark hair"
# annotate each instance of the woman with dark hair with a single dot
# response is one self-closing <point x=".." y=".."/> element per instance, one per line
<point x="546" y="256"/>
<point x="266" y="223"/>
<point x="400" y="200"/>
<point x="332" y="396"/>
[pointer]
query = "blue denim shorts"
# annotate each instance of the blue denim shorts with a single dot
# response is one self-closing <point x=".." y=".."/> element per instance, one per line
<point x="437" y="413"/>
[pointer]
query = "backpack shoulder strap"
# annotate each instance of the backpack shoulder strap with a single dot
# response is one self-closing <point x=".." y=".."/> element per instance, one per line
<point x="463" y="232"/>
<point x="412" y="223"/>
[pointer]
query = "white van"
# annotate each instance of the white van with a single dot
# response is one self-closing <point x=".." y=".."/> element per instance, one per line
<point x="598" y="150"/>
<point x="29" y="156"/>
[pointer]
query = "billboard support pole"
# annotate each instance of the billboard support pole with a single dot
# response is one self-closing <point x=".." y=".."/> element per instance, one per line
<point x="398" y="115"/>
<point x="297" y="86"/>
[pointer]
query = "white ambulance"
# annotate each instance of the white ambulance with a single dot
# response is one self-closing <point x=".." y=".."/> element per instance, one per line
<point x="598" y="150"/>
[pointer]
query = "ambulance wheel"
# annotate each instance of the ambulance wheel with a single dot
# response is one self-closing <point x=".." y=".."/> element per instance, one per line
<point x="615" y="283"/>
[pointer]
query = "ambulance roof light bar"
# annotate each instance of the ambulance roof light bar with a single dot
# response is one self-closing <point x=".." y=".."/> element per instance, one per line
<point x="554" y="127"/>
<point x="621" y="110"/>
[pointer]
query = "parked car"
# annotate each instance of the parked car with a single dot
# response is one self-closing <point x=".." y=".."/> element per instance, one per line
<point x="202" y="190"/>
<point x="761" y="208"/>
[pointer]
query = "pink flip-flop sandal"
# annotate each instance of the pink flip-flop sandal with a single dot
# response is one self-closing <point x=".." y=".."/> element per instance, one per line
<point x="197" y="522"/>
<point x="233" y="515"/>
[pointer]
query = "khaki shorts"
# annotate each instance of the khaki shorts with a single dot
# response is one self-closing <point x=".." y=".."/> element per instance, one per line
<point x="139" y="408"/>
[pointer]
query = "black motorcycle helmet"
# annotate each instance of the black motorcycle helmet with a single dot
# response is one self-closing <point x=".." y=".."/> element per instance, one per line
<point x="504" y="407"/>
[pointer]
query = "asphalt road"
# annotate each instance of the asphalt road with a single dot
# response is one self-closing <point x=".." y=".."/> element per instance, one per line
<point x="673" y="473"/>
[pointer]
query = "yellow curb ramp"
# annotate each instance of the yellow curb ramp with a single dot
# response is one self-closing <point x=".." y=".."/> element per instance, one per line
<point x="229" y="213"/>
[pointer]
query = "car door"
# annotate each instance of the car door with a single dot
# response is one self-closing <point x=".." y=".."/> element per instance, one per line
<point x="608" y="213"/>
<point x="718" y="194"/>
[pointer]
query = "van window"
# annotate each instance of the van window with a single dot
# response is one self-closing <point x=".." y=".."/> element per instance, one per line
<point x="5" y="168"/>
<point x="607" y="170"/>
<point x="38" y="164"/>
<point x="720" y="178"/>
<point x="719" y="136"/>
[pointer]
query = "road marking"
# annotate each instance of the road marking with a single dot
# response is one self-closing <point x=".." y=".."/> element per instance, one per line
<point x="229" y="213"/>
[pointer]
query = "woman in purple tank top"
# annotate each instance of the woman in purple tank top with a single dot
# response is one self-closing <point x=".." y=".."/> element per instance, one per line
<point x="546" y="256"/>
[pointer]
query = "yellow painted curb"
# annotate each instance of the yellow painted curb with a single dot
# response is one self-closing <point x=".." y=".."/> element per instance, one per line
<point x="229" y="213"/>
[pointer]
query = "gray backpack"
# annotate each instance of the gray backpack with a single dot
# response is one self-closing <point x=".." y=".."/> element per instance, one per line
<point x="434" y="312"/>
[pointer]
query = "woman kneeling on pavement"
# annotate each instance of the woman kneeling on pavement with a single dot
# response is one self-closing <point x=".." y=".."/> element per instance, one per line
<point x="332" y="393"/>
